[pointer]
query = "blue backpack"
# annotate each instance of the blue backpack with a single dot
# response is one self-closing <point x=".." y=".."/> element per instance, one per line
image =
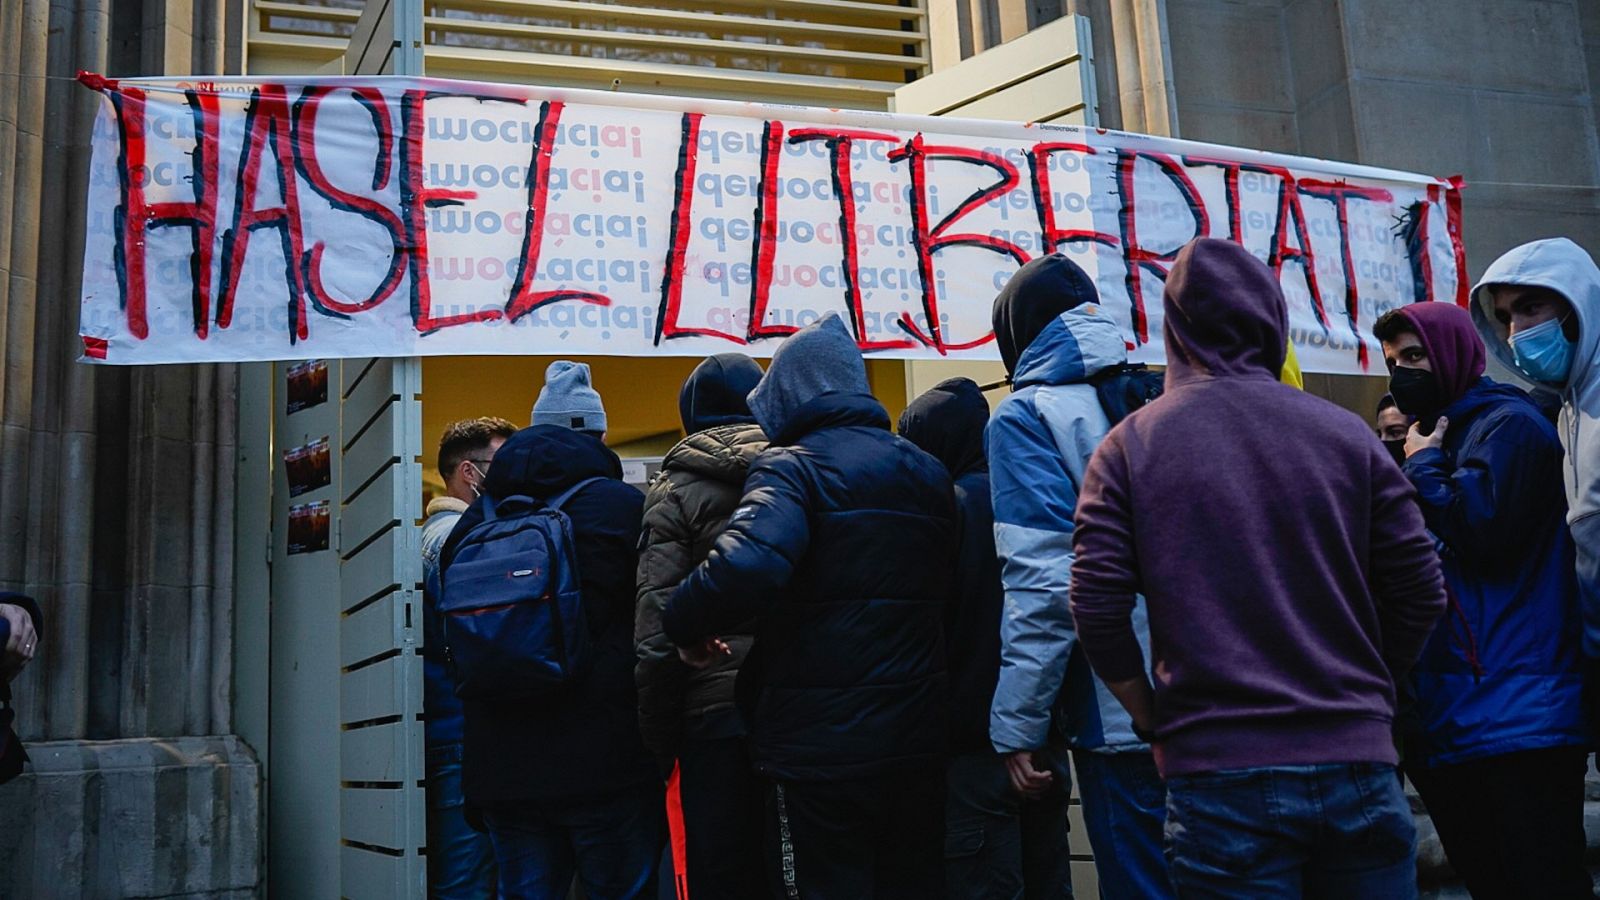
<point x="511" y="602"/>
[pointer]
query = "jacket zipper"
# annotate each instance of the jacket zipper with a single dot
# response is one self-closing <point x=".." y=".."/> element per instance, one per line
<point x="496" y="607"/>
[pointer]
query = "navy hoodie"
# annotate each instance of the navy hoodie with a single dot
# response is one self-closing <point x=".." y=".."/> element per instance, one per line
<point x="1502" y="671"/>
<point x="584" y="739"/>
<point x="948" y="423"/>
<point x="1288" y="576"/>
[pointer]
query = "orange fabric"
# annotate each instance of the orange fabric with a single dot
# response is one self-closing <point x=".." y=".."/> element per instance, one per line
<point x="675" y="832"/>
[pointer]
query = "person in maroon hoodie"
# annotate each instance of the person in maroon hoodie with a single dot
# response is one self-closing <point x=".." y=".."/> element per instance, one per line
<point x="1289" y="582"/>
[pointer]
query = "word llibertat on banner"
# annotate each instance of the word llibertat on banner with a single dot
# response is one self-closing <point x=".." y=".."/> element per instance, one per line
<point x="321" y="218"/>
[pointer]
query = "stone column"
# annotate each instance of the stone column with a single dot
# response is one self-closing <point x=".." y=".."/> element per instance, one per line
<point x="1144" y="66"/>
<point x="116" y="506"/>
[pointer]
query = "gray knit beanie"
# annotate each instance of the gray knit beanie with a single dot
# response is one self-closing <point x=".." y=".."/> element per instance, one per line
<point x="568" y="399"/>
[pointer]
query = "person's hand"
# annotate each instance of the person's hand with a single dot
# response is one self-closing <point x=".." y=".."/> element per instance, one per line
<point x="1027" y="780"/>
<point x="705" y="654"/>
<point x="1416" y="441"/>
<point x="20" y="645"/>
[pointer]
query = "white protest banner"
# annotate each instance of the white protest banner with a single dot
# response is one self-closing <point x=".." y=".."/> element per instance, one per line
<point x="332" y="217"/>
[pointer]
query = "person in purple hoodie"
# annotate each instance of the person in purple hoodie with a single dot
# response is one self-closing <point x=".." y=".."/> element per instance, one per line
<point x="1289" y="582"/>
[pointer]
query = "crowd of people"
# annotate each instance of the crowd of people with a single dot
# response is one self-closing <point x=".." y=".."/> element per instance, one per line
<point x="824" y="658"/>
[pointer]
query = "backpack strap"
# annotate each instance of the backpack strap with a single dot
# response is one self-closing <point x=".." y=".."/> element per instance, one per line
<point x="561" y="499"/>
<point x="491" y="507"/>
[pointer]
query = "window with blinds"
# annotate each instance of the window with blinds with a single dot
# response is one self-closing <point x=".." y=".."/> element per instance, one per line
<point x="824" y="52"/>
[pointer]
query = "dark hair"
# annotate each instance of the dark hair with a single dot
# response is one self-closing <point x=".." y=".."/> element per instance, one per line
<point x="1386" y="403"/>
<point x="1391" y="325"/>
<point x="468" y="436"/>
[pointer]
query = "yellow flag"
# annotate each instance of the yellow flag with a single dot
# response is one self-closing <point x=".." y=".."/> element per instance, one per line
<point x="1291" y="369"/>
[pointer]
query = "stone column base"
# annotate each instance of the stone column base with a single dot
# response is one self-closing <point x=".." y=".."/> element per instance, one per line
<point x="149" y="817"/>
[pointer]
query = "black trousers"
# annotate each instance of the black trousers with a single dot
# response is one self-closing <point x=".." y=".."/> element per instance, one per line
<point x="879" y="838"/>
<point x="722" y="817"/>
<point x="998" y="846"/>
<point x="1512" y="825"/>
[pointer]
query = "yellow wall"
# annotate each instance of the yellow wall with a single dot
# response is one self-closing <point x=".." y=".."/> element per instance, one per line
<point x="640" y="394"/>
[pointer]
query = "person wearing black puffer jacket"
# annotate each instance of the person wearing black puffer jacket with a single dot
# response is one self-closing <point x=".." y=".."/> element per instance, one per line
<point x="563" y="781"/>
<point x="997" y="842"/>
<point x="688" y="715"/>
<point x="842" y="551"/>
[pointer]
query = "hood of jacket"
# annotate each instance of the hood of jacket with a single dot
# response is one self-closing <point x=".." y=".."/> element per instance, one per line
<point x="721" y="454"/>
<point x="544" y="460"/>
<point x="947" y="423"/>
<point x="1454" y="349"/>
<point x="717" y="392"/>
<point x="1561" y="266"/>
<point x="1225" y="315"/>
<point x="1036" y="296"/>
<point x="1071" y="347"/>
<point x="817" y="378"/>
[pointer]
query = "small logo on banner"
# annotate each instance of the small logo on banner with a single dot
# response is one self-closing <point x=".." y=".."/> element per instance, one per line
<point x="95" y="348"/>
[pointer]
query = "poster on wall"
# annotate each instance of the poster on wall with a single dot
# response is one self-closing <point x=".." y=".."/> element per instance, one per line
<point x="309" y="527"/>
<point x="247" y="219"/>
<point x="307" y="385"/>
<point x="308" y="467"/>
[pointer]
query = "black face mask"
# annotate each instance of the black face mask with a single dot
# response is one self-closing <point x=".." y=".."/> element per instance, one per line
<point x="1397" y="449"/>
<point x="1415" y="391"/>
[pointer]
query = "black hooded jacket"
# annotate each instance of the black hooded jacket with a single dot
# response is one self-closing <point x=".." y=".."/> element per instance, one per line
<point x="584" y="739"/>
<point x="947" y="422"/>
<point x="1040" y="291"/>
<point x="717" y="392"/>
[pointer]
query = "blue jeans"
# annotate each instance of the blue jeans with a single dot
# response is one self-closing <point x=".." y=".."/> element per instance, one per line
<point x="1337" y="830"/>
<point x="1124" y="811"/>
<point x="612" y="841"/>
<point x="460" y="859"/>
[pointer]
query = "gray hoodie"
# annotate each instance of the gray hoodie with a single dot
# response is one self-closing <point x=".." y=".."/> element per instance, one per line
<point x="1564" y="267"/>
<point x="819" y="359"/>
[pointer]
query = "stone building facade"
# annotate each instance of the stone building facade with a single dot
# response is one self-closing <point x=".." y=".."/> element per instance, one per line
<point x="119" y="486"/>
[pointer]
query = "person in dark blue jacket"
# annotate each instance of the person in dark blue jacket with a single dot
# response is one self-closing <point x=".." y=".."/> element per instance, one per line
<point x="1391" y="426"/>
<point x="1497" y="744"/>
<point x="997" y="843"/>
<point x="460" y="858"/>
<point x="563" y="781"/>
<point x="842" y="552"/>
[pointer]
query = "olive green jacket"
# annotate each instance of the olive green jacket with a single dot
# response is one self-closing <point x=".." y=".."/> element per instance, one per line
<point x="686" y="507"/>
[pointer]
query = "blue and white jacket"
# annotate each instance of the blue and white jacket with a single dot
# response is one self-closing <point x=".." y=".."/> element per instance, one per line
<point x="1039" y="441"/>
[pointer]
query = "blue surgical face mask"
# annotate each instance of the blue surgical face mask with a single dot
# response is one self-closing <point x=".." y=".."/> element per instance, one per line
<point x="1543" y="353"/>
